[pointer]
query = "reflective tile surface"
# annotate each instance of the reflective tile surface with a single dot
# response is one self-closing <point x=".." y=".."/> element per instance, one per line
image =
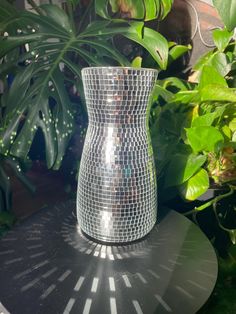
<point x="116" y="200"/>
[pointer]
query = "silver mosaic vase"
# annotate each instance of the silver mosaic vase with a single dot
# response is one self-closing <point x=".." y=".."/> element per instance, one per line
<point x="117" y="197"/>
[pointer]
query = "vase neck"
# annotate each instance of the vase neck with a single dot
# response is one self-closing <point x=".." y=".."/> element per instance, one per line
<point x="116" y="95"/>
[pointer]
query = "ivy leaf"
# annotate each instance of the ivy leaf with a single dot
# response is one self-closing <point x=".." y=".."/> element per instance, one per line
<point x="222" y="38"/>
<point x="227" y="12"/>
<point x="232" y="125"/>
<point x="226" y="131"/>
<point x="195" y="186"/>
<point x="186" y="97"/>
<point x="218" y="60"/>
<point x="214" y="92"/>
<point x="204" y="120"/>
<point x="210" y="75"/>
<point x="182" y="167"/>
<point x="203" y="60"/>
<point x="221" y="63"/>
<point x="204" y="138"/>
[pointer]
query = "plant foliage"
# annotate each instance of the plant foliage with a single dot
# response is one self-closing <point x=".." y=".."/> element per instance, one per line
<point x="138" y="10"/>
<point x="41" y="56"/>
<point x="194" y="130"/>
<point x="46" y="51"/>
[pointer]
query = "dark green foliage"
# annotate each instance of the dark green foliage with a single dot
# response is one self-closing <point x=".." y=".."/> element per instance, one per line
<point x="44" y="51"/>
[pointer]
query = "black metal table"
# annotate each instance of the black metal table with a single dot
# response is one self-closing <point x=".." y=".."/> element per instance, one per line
<point x="49" y="267"/>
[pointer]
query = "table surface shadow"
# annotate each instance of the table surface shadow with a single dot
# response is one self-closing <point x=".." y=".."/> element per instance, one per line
<point x="49" y="267"/>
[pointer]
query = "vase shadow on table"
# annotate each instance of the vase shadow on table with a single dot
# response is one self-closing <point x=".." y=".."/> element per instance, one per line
<point x="59" y="271"/>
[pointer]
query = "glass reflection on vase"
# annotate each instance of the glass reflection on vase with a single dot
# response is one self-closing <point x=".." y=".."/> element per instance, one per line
<point x="117" y="197"/>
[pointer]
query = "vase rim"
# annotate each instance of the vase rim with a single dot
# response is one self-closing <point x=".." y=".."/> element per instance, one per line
<point x="120" y="67"/>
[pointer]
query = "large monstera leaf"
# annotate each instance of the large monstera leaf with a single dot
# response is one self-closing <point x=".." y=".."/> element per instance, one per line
<point x="134" y="9"/>
<point x="51" y="56"/>
<point x="38" y="96"/>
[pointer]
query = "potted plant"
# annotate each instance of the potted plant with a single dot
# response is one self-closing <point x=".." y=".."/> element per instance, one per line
<point x="194" y="136"/>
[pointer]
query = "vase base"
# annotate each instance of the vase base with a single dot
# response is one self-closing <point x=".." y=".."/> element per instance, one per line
<point x="115" y="243"/>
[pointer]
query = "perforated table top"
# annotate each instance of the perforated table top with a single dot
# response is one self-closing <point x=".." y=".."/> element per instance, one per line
<point x="49" y="267"/>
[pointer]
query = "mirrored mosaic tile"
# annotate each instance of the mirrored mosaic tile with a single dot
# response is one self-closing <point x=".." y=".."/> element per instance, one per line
<point x="117" y="197"/>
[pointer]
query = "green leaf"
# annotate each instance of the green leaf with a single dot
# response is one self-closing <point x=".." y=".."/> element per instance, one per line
<point x="176" y="83"/>
<point x="20" y="175"/>
<point x="234" y="137"/>
<point x="214" y="92"/>
<point x="218" y="60"/>
<point x="222" y="38"/>
<point x="221" y="63"/>
<point x="135" y="9"/>
<point x="101" y="8"/>
<point x="138" y="10"/>
<point x="160" y="91"/>
<point x="204" y="120"/>
<point x="232" y="234"/>
<point x="64" y="118"/>
<point x="205" y="59"/>
<point x="227" y="12"/>
<point x="209" y="75"/>
<point x="96" y="27"/>
<point x="182" y="167"/>
<point x="8" y="43"/>
<point x="5" y="187"/>
<point x="177" y="51"/>
<point x="114" y="5"/>
<point x="45" y="25"/>
<point x="232" y="125"/>
<point x="165" y="6"/>
<point x="226" y="131"/>
<point x="6" y="10"/>
<point x="186" y="97"/>
<point x="130" y="9"/>
<point x="56" y="14"/>
<point x="74" y="3"/>
<point x="103" y="49"/>
<point x="150" y="9"/>
<point x="195" y="186"/>
<point x="153" y="42"/>
<point x="38" y="97"/>
<point x="137" y="62"/>
<point x="204" y="138"/>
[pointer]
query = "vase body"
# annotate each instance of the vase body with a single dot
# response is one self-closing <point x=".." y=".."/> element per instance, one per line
<point x="117" y="197"/>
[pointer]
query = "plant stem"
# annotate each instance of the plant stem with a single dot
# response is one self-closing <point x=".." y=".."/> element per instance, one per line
<point x="71" y="16"/>
<point x="211" y="202"/>
<point x="219" y="222"/>
<point x="35" y="7"/>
